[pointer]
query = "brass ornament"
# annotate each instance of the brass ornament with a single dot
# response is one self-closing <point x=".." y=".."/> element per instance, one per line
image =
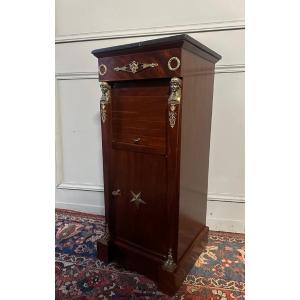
<point x="105" y="99"/>
<point x="103" y="112"/>
<point x="174" y="99"/>
<point x="134" y="67"/>
<point x="169" y="264"/>
<point x="102" y="69"/>
<point x="172" y="115"/>
<point x="116" y="192"/>
<point x="137" y="200"/>
<point x="177" y="60"/>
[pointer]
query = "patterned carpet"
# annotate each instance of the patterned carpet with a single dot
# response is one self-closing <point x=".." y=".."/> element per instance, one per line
<point x="218" y="274"/>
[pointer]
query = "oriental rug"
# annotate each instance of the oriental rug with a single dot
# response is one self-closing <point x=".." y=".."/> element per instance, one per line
<point x="218" y="274"/>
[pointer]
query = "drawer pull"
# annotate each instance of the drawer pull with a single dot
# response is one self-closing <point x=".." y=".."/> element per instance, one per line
<point x="177" y="60"/>
<point x="116" y="192"/>
<point x="102" y="69"/>
<point x="135" y="66"/>
<point x="137" y="140"/>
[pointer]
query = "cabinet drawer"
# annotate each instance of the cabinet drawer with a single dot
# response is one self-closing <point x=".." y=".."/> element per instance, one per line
<point x="136" y="126"/>
<point x="151" y="64"/>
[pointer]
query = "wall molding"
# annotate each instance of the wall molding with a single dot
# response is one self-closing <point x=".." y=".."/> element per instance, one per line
<point x="151" y="31"/>
<point x="100" y="188"/>
<point x="80" y="187"/>
<point x="76" y="75"/>
<point x="234" y="68"/>
<point x="226" y="198"/>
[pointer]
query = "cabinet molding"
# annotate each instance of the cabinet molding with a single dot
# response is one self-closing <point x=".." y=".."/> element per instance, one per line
<point x="80" y="187"/>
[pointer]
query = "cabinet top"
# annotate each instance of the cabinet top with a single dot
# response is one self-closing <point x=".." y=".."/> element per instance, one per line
<point x="175" y="41"/>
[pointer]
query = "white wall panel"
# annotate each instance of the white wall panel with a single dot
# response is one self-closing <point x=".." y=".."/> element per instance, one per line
<point x="77" y="16"/>
<point x="80" y="132"/>
<point x="227" y="152"/>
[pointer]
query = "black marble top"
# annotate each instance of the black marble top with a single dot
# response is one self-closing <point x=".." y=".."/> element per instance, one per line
<point x="182" y="40"/>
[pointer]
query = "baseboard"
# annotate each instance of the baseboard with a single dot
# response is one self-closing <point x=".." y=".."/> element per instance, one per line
<point x="227" y="215"/>
<point x="83" y="198"/>
<point x="227" y="225"/>
<point x="224" y="212"/>
<point x="217" y="224"/>
<point x="87" y="208"/>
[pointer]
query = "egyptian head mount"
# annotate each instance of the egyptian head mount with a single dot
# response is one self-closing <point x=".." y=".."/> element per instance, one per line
<point x="105" y="98"/>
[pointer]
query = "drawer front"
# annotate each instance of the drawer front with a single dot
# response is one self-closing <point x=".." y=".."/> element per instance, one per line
<point x="139" y="112"/>
<point x="151" y="64"/>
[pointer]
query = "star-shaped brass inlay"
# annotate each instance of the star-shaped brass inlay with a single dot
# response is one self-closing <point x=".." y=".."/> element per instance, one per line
<point x="137" y="199"/>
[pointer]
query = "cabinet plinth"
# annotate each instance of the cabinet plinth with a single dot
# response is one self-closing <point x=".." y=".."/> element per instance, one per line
<point x="155" y="108"/>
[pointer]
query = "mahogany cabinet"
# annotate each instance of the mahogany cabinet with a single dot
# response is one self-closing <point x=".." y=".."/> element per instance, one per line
<point x="155" y="107"/>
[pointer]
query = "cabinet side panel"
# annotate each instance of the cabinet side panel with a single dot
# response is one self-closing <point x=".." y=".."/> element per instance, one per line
<point x="197" y="99"/>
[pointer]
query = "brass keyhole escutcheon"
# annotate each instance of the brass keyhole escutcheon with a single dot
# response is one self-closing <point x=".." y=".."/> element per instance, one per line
<point x="137" y="140"/>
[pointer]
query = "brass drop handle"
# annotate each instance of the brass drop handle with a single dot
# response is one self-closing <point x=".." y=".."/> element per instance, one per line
<point x="136" y="140"/>
<point x="116" y="192"/>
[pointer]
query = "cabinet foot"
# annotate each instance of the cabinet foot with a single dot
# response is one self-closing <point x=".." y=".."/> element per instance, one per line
<point x="103" y="250"/>
<point x="170" y="281"/>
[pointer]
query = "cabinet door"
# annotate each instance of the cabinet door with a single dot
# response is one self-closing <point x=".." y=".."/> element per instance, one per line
<point x="140" y="208"/>
<point x="139" y="164"/>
